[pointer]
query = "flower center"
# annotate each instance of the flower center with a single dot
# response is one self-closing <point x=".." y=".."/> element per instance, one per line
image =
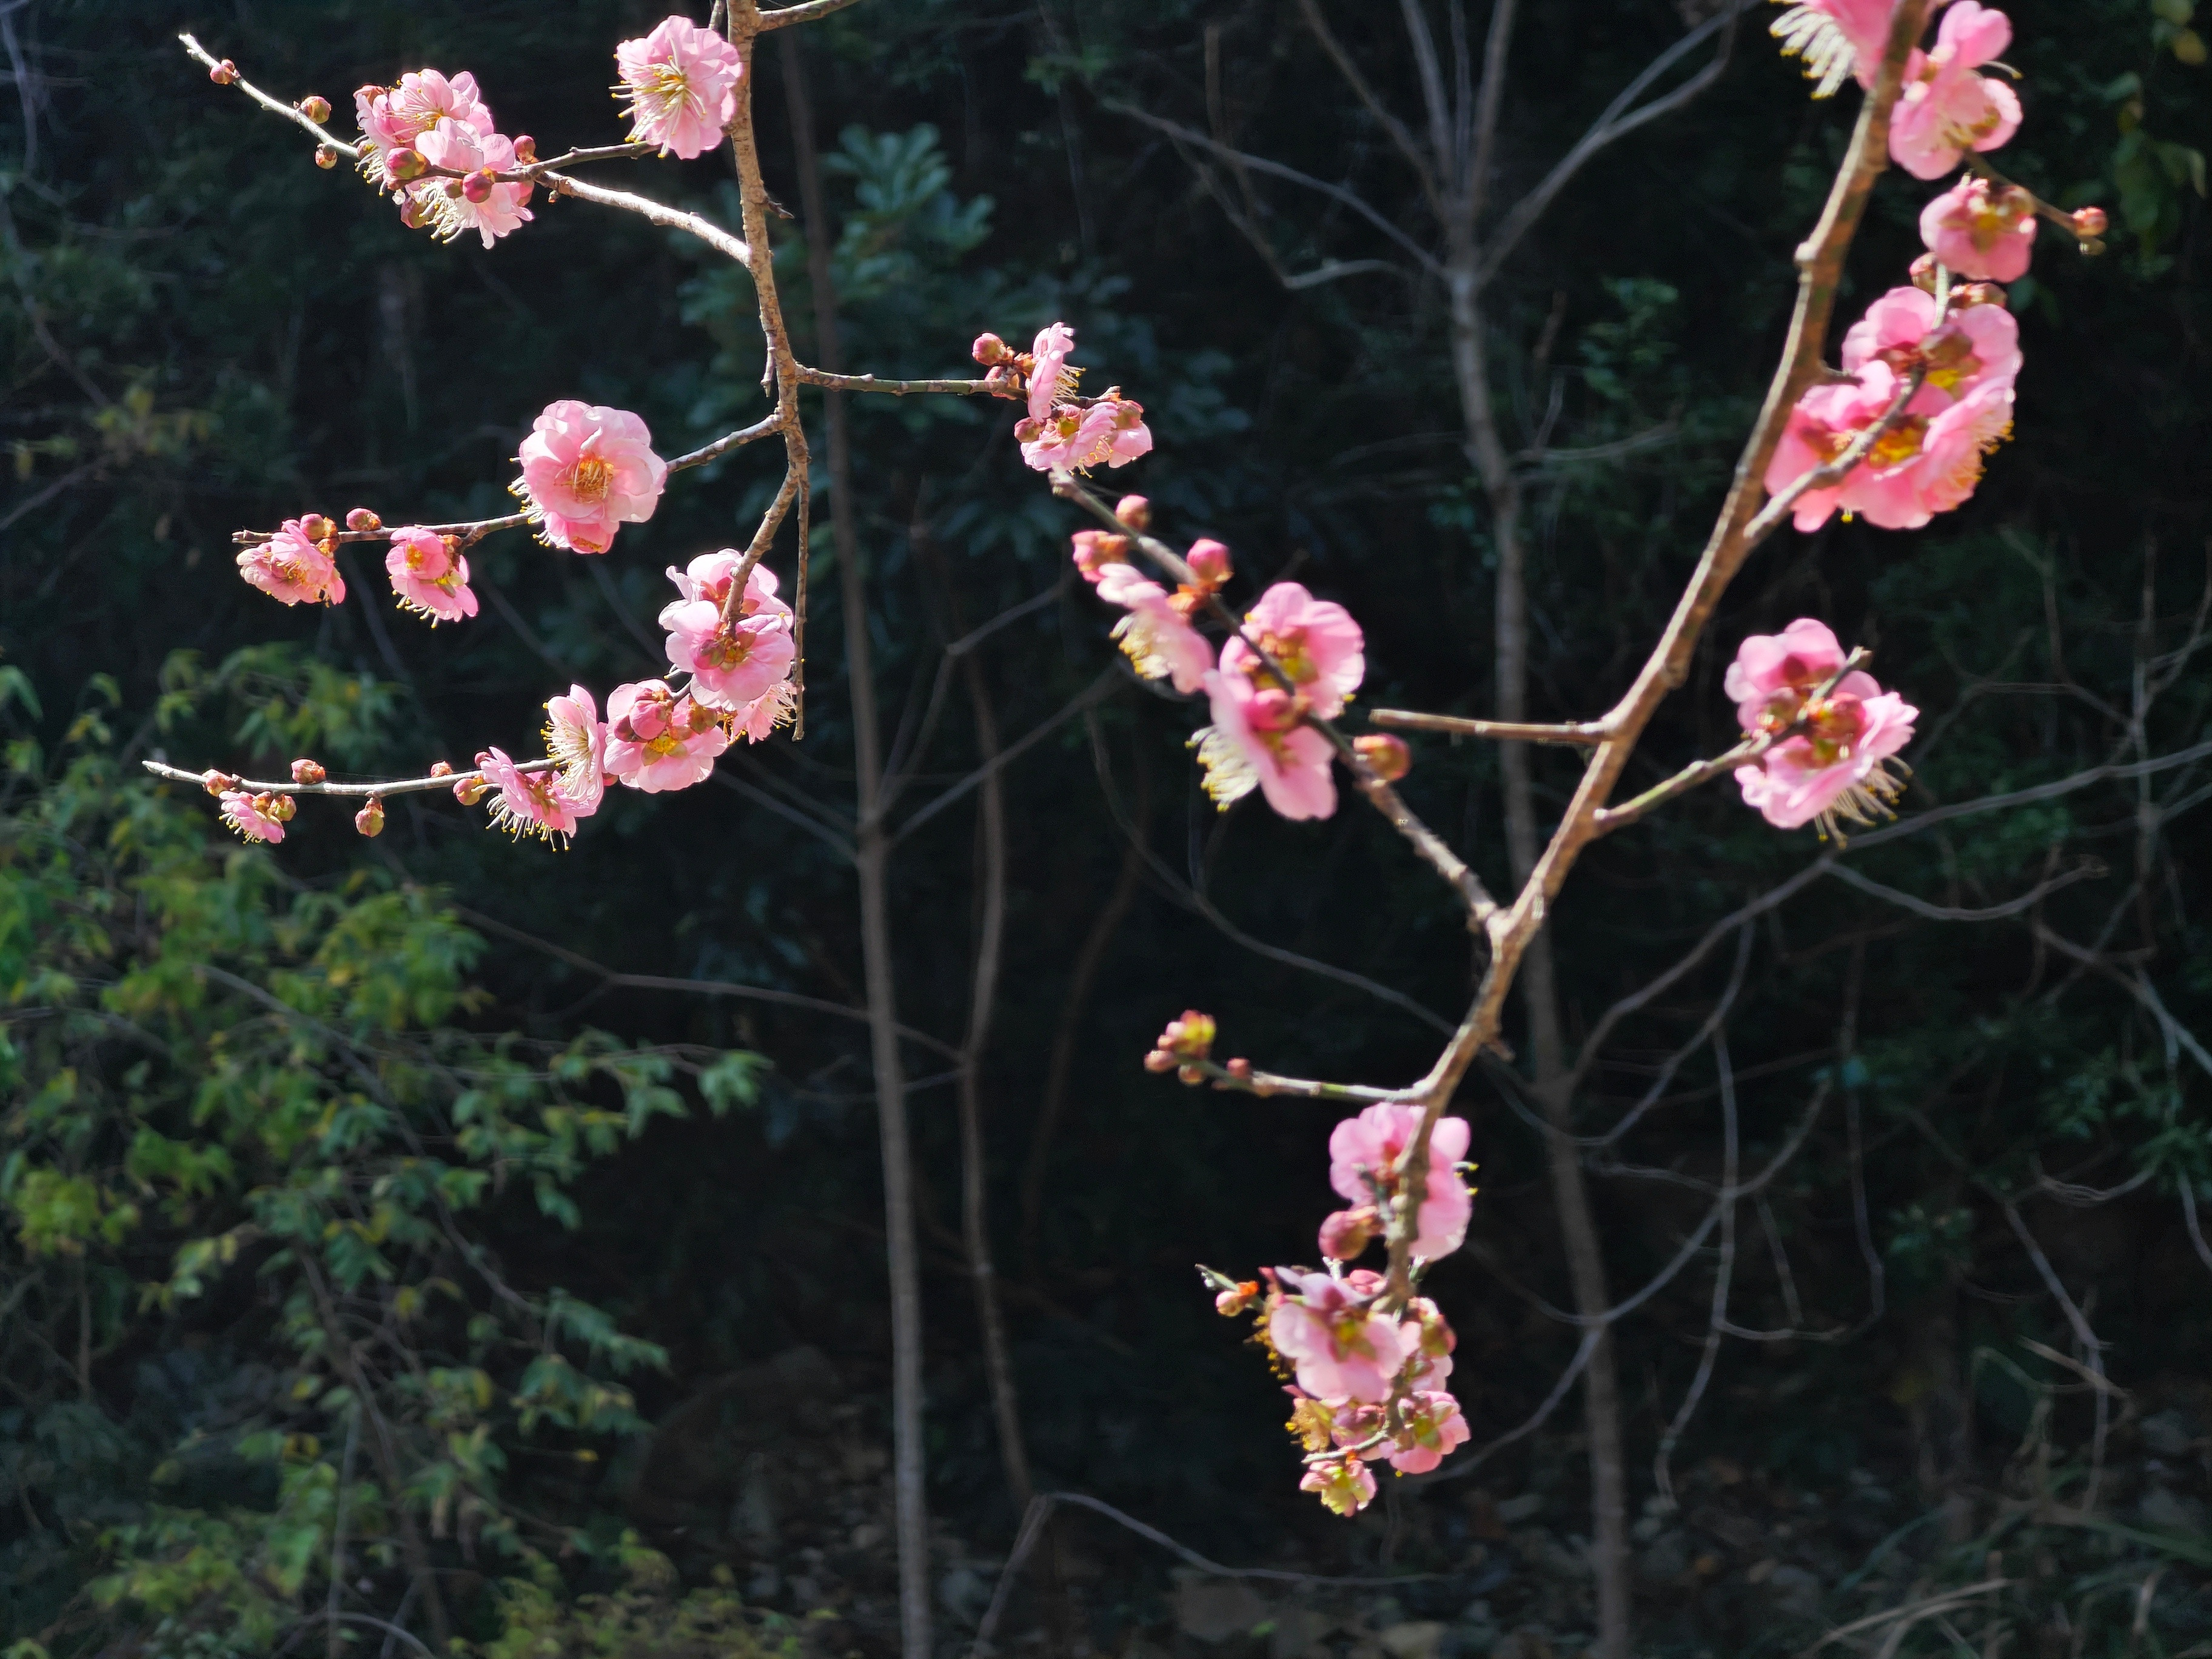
<point x="1900" y="443"/>
<point x="589" y="478"/>
<point x="664" y="746"/>
<point x="727" y="649"/>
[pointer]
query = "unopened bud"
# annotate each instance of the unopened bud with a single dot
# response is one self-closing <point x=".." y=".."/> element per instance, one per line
<point x="477" y="186"/>
<point x="1241" y="1069"/>
<point x="1134" y="511"/>
<point x="1976" y="293"/>
<point x="1190" y="1076"/>
<point x="315" y="527"/>
<point x="223" y="73"/>
<point x="327" y="157"/>
<point x="218" y="783"/>
<point x="1159" y="1060"/>
<point x="989" y="350"/>
<point x="1346" y="1235"/>
<point x="316" y="109"/>
<point x="1097" y="549"/>
<point x="279" y="807"/>
<point x="1209" y="561"/>
<point x="1027" y="429"/>
<point x="1923" y="273"/>
<point x="2090" y="222"/>
<point x="412" y="216"/>
<point x="1190" y="1038"/>
<point x="362" y="519"/>
<point x="452" y="188"/>
<point x="471" y="790"/>
<point x="406" y="165"/>
<point x="309" y="771"/>
<point x="442" y="768"/>
<point x="526" y="149"/>
<point x="1237" y="1297"/>
<point x="370" y="819"/>
<point x="1387" y="756"/>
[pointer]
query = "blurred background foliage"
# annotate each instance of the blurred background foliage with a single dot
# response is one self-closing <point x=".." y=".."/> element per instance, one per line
<point x="359" y="1210"/>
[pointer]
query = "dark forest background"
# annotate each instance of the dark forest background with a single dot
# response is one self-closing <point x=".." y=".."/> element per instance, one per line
<point x="634" y="1232"/>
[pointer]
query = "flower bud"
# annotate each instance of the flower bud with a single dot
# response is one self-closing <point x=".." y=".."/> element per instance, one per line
<point x="1241" y="1069"/>
<point x="405" y="165"/>
<point x="1158" y="1060"/>
<point x="316" y="109"/>
<point x="526" y="149"/>
<point x="471" y="789"/>
<point x="1387" y="756"/>
<point x="1346" y="1234"/>
<point x="1233" y="1301"/>
<point x="989" y="349"/>
<point x="309" y="771"/>
<point x="442" y="768"/>
<point x="477" y="186"/>
<point x="1190" y="1038"/>
<point x="1134" y="511"/>
<point x="370" y="819"/>
<point x="279" y="807"/>
<point x="412" y="216"/>
<point x="1097" y="549"/>
<point x="1976" y="293"/>
<point x="315" y="527"/>
<point x="1190" y="1076"/>
<point x="325" y="157"/>
<point x="1923" y="273"/>
<point x="1027" y="429"/>
<point x="2089" y="223"/>
<point x="362" y="519"/>
<point x="223" y="73"/>
<point x="1209" y="561"/>
<point x="218" y="783"/>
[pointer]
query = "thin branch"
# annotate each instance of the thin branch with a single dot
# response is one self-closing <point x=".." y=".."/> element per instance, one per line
<point x="348" y="791"/>
<point x="1584" y="734"/>
<point x="784" y="17"/>
<point x="1424" y="169"/>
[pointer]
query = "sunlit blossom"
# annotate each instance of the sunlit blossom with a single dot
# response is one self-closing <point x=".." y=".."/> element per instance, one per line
<point x="576" y="739"/>
<point x="1947" y="109"/>
<point x="529" y="803"/>
<point x="430" y="576"/>
<point x="292" y="568"/>
<point x="1365" y="1150"/>
<point x="586" y="471"/>
<point x="658" y="739"/>
<point x="1259" y="741"/>
<point x="680" y="82"/>
<point x="1341" y="1349"/>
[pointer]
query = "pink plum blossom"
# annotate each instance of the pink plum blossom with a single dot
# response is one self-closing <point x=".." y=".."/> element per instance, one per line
<point x="1345" y="1485"/>
<point x="1836" y="37"/>
<point x="1972" y="346"/>
<point x="1433" y="1429"/>
<point x="1947" y="109"/>
<point x="292" y="567"/>
<point x="587" y="471"/>
<point x="1341" y="1350"/>
<point x="529" y="803"/>
<point x="450" y="208"/>
<point x="680" y="81"/>
<point x="1837" y="769"/>
<point x="1098" y="552"/>
<point x="251" y="814"/>
<point x="1259" y="741"/>
<point x="1428" y="1340"/>
<point x="1110" y="433"/>
<point x="1773" y="673"/>
<point x="1981" y="230"/>
<point x="576" y="739"/>
<point x="1155" y="637"/>
<point x="430" y="576"/>
<point x="732" y="662"/>
<point x="1315" y="641"/>
<point x="658" y="739"/>
<point x="393" y="117"/>
<point x="1051" y="381"/>
<point x="1366" y="1149"/>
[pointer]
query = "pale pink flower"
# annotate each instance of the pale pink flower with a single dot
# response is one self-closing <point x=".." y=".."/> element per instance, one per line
<point x="1433" y="1429"/>
<point x="1342" y="1350"/>
<point x="1259" y="741"/>
<point x="430" y="576"/>
<point x="1972" y="346"/>
<point x="1947" y="109"/>
<point x="1366" y="1149"/>
<point x="1836" y="38"/>
<point x="1773" y="673"/>
<point x="528" y="803"/>
<point x="1158" y="641"/>
<point x="732" y="663"/>
<point x="1110" y="433"/>
<point x="576" y="740"/>
<point x="250" y="815"/>
<point x="769" y="710"/>
<point x="587" y="471"/>
<point x="1345" y="1485"/>
<point x="1428" y="1340"/>
<point x="658" y="739"/>
<point x="1346" y="1234"/>
<point x="1315" y="641"/>
<point x="1098" y="553"/>
<point x="680" y="82"/>
<point x="1051" y="381"/>
<point x="394" y="118"/>
<point x="1838" y="769"/>
<point x="1981" y="230"/>
<point x="449" y="208"/>
<point x="292" y="568"/>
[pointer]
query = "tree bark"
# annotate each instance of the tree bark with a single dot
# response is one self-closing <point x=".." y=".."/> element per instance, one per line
<point x="871" y="850"/>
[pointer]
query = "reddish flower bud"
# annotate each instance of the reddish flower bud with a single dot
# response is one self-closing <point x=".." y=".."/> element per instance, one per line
<point x="2090" y="222"/>
<point x="1190" y="1038"/>
<point x="405" y="165"/>
<point x="442" y="768"/>
<point x="526" y="149"/>
<point x="1231" y="1302"/>
<point x="1158" y="1060"/>
<point x="1346" y="1234"/>
<point x="325" y="157"/>
<point x="1923" y="273"/>
<point x="471" y="790"/>
<point x="316" y="109"/>
<point x="412" y="216"/>
<point x="223" y="73"/>
<point x="989" y="350"/>
<point x="1190" y="1076"/>
<point x="1028" y="430"/>
<point x="1386" y="756"/>
<point x="370" y="819"/>
<point x="279" y="807"/>
<point x="1241" y="1069"/>
<point x="1134" y="511"/>
<point x="477" y="186"/>
<point x="1209" y="560"/>
<point x="1976" y="293"/>
<point x="309" y="771"/>
<point x="315" y="527"/>
<point x="362" y="519"/>
<point x="369" y="94"/>
<point x="218" y="783"/>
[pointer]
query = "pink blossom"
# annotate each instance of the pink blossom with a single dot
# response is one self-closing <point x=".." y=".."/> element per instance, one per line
<point x="680" y="81"/>
<point x="1110" y="433"/>
<point x="1346" y="1234"/>
<point x="447" y="205"/>
<point x="587" y="471"/>
<point x="1344" y="1483"/>
<point x="529" y="803"/>
<point x="576" y="739"/>
<point x="1155" y="637"/>
<point x="658" y="739"/>
<point x="1258" y="740"/>
<point x="430" y="576"/>
<point x="769" y="710"/>
<point x="292" y="567"/>
<point x="733" y="662"/>
<point x="1838" y="769"/>
<point x="250" y="815"/>
<point x="1341" y="1350"/>
<point x="1971" y="347"/>
<point x="1428" y="1340"/>
<point x="1981" y="230"/>
<point x="1366" y="1150"/>
<point x="1098" y="552"/>
<point x="393" y="117"/>
<point x="1433" y="1429"/>
<point x="1315" y="641"/>
<point x="1947" y="109"/>
<point x="1773" y="673"/>
<point x="1051" y="381"/>
<point x="1836" y="37"/>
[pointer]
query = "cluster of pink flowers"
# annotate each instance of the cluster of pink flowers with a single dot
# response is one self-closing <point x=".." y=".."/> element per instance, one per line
<point x="738" y="654"/>
<point x="431" y="142"/>
<point x="1370" y="1370"/>
<point x="587" y="471"/>
<point x="1834" y="763"/>
<point x="680" y="82"/>
<point x="1946" y="109"/>
<point x="1064" y="431"/>
<point x="257" y="816"/>
<point x="298" y="564"/>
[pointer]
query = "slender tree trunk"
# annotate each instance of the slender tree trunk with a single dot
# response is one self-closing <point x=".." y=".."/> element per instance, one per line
<point x="872" y="857"/>
<point x="1570" y="1191"/>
